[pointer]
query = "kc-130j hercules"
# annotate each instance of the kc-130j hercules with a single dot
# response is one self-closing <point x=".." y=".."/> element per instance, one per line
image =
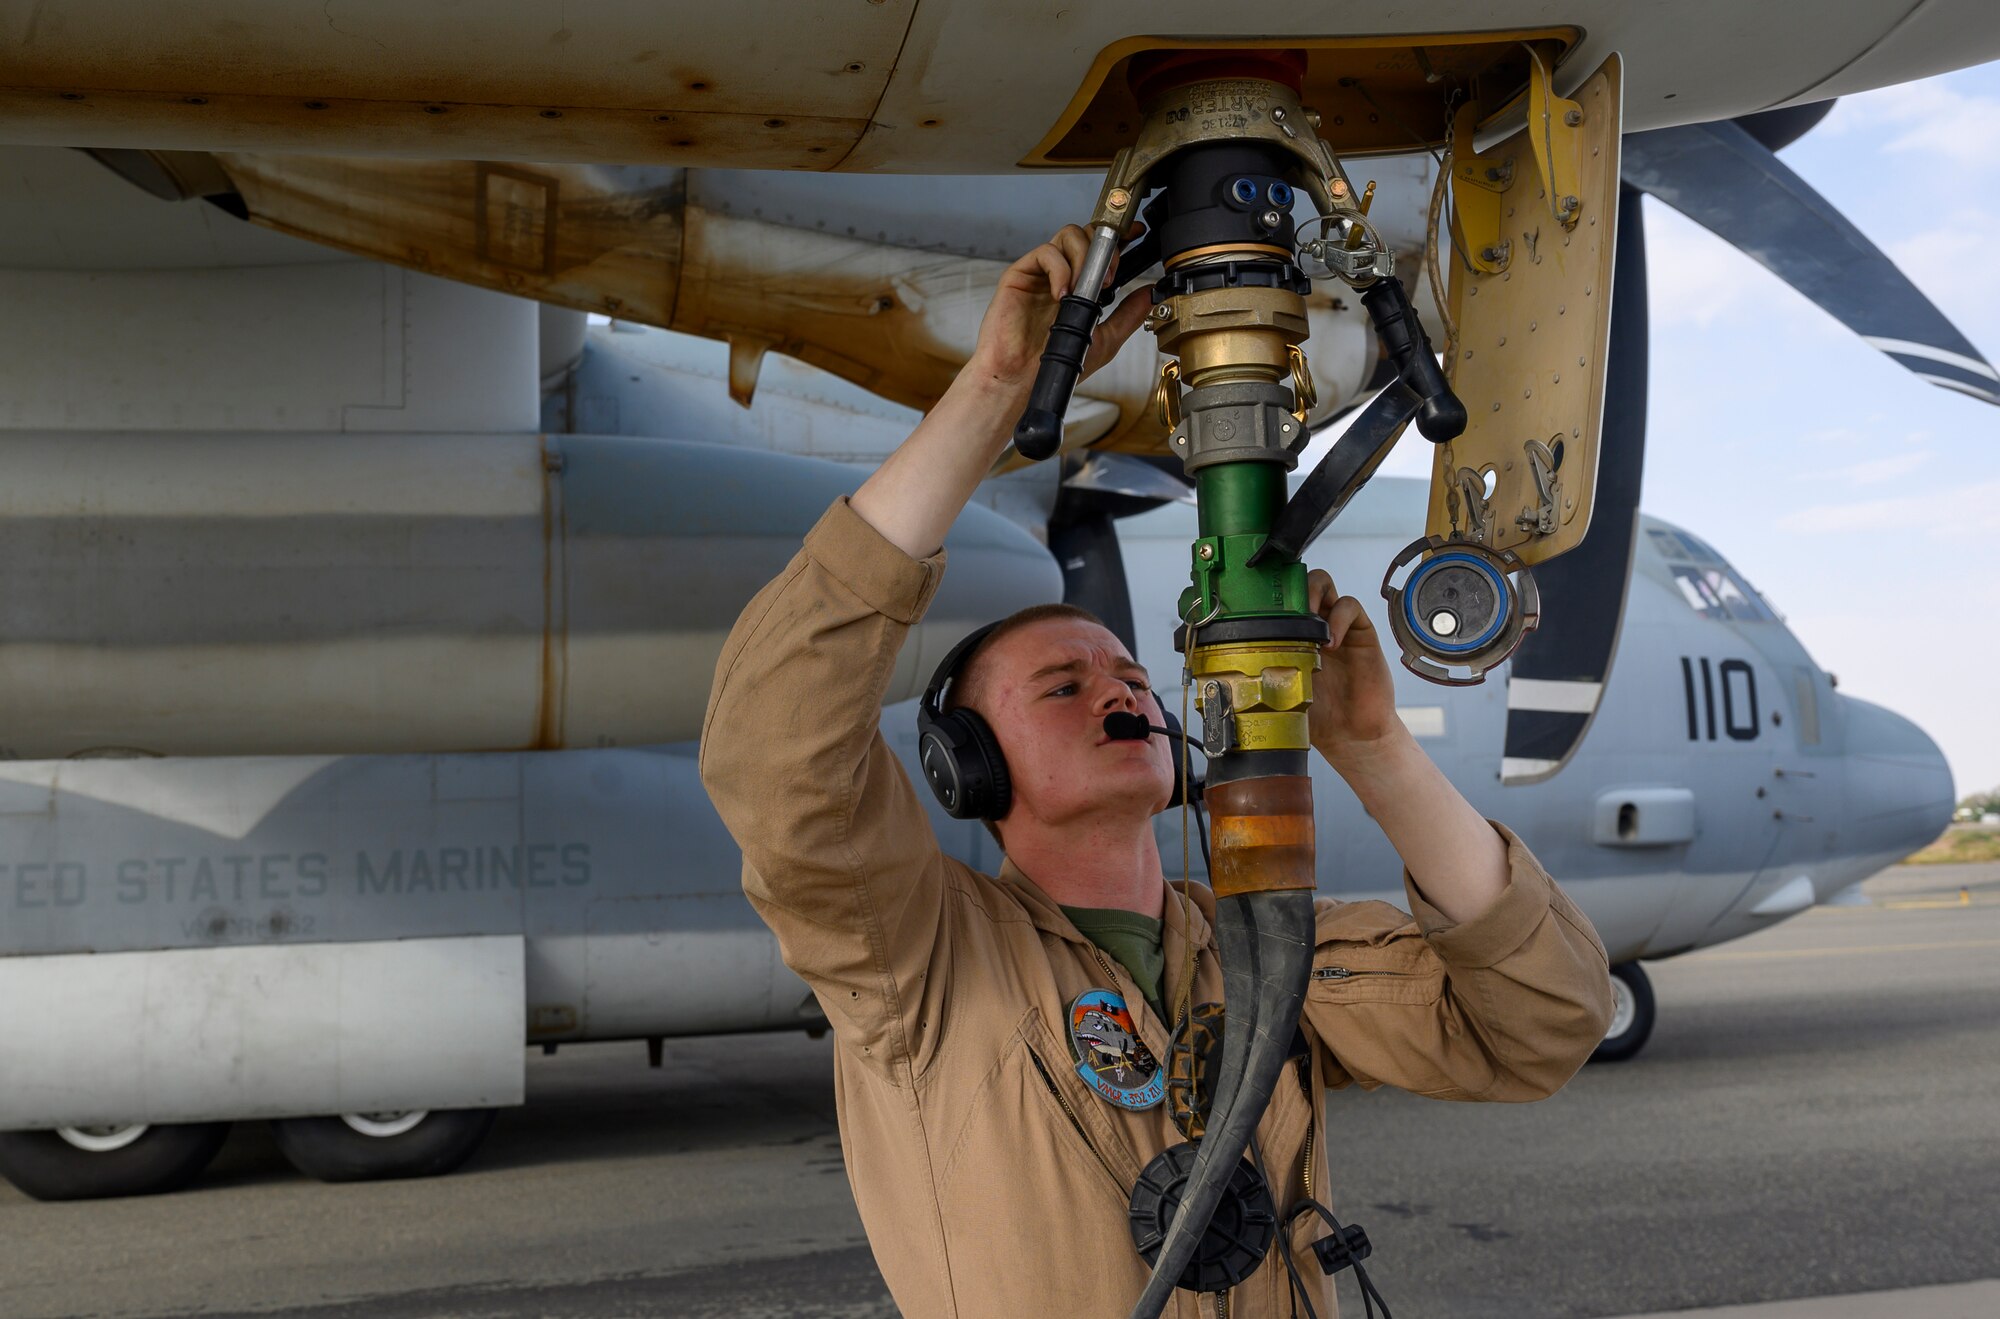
<point x="349" y="671"/>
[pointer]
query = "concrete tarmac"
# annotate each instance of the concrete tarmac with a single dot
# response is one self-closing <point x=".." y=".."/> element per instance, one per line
<point x="1818" y="1114"/>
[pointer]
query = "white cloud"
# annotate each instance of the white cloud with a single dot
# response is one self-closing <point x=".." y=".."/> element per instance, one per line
<point x="1965" y="129"/>
<point x="1930" y="117"/>
<point x="1875" y="471"/>
<point x="1849" y="437"/>
<point x="1958" y="511"/>
<point x="1693" y="277"/>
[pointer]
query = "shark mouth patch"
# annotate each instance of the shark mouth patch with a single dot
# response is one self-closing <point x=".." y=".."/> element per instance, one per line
<point x="1110" y="1056"/>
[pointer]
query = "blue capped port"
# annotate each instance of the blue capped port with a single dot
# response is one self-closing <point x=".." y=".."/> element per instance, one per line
<point x="1245" y="191"/>
<point x="1280" y="194"/>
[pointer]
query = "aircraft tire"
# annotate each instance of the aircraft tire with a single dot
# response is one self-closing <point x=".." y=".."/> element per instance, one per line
<point x="99" y="1163"/>
<point x="370" y="1147"/>
<point x="1632" y="1021"/>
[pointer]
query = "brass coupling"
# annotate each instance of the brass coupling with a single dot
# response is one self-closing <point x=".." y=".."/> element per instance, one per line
<point x="1235" y="349"/>
<point x="1167" y="395"/>
<point x="1254" y="695"/>
<point x="1225" y="334"/>
<point x="1167" y="390"/>
<point x="1305" y="394"/>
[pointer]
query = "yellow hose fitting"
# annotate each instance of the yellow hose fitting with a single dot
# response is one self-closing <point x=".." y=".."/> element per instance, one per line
<point x="1263" y="689"/>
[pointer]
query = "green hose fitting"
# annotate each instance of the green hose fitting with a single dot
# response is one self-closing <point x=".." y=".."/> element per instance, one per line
<point x="1238" y="504"/>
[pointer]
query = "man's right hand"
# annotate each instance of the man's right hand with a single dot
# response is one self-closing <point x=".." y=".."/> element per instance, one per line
<point x="916" y="494"/>
<point x="1015" y="330"/>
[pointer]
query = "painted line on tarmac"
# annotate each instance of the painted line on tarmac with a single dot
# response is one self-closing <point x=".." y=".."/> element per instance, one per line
<point x="1904" y="904"/>
<point x="1933" y="904"/>
<point x="1964" y="1300"/>
<point x="1778" y="953"/>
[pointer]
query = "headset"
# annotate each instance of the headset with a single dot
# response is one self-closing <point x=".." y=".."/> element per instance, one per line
<point x="961" y="758"/>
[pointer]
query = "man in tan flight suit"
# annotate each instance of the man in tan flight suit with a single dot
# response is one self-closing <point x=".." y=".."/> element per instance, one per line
<point x="992" y="1178"/>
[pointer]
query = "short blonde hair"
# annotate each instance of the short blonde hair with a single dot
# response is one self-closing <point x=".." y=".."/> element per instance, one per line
<point x="963" y="684"/>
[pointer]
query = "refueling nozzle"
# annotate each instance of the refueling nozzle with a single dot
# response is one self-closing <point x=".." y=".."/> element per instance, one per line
<point x="1230" y="312"/>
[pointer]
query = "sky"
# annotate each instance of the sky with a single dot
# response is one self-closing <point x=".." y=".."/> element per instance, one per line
<point x="1862" y="501"/>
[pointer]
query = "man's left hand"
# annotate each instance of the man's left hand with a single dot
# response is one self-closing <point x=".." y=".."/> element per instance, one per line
<point x="1455" y="858"/>
<point x="1354" y="694"/>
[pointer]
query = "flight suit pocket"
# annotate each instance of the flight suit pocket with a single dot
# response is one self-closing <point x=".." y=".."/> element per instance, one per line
<point x="1052" y="1062"/>
<point x="1032" y="1118"/>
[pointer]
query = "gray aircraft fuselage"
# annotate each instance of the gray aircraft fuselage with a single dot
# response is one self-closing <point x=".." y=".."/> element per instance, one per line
<point x="1723" y="785"/>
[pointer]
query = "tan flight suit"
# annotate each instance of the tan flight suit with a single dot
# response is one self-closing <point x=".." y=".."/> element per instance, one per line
<point x="991" y="1179"/>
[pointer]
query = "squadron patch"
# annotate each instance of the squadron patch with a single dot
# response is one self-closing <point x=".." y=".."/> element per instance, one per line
<point x="1110" y="1056"/>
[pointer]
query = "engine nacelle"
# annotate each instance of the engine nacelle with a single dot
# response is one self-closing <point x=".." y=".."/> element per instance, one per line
<point x="253" y="593"/>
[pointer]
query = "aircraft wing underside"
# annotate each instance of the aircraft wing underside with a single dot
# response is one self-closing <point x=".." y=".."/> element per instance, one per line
<point x="888" y="85"/>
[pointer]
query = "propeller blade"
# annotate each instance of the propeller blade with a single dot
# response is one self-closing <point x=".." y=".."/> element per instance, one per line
<point x="1085" y="546"/>
<point x="1778" y="129"/>
<point x="1131" y="476"/>
<point x="1098" y="489"/>
<point x="1556" y="678"/>
<point x="1720" y="176"/>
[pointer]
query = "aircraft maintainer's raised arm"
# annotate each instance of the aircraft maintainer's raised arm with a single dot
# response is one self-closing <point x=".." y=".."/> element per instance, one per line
<point x="838" y="855"/>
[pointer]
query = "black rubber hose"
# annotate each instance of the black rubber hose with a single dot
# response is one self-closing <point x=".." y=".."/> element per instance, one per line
<point x="1038" y="434"/>
<point x="1265" y="941"/>
<point x="1440" y="415"/>
<point x="1338" y="476"/>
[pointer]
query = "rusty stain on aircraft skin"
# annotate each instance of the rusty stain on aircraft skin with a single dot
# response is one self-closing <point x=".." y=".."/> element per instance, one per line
<point x="626" y="242"/>
<point x="564" y="234"/>
<point x="416" y="79"/>
<point x="506" y="132"/>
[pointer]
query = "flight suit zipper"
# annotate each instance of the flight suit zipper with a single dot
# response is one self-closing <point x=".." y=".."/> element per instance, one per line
<point x="1221" y="1298"/>
<point x="1173" y="1033"/>
<point x="1342" y="973"/>
<point x="1312" y="1123"/>
<point x="1098" y="953"/>
<point x="1070" y="1113"/>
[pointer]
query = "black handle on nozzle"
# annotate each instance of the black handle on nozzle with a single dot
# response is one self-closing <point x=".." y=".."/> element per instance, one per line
<point x="1038" y="433"/>
<point x="1440" y="415"/>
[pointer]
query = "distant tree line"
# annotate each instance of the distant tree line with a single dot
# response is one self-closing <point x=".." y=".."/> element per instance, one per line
<point x="1978" y="804"/>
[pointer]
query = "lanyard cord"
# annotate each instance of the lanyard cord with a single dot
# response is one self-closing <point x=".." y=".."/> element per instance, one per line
<point x="1186" y="994"/>
<point x="1370" y="1297"/>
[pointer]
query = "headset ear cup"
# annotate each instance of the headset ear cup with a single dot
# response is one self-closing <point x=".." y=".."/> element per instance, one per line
<point x="962" y="762"/>
<point x="996" y="790"/>
<point x="941" y="767"/>
<point x="958" y="753"/>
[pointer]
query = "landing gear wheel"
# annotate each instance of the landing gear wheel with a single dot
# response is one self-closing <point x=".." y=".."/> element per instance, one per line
<point x="96" y="1163"/>
<point x="368" y="1147"/>
<point x="1631" y="1014"/>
